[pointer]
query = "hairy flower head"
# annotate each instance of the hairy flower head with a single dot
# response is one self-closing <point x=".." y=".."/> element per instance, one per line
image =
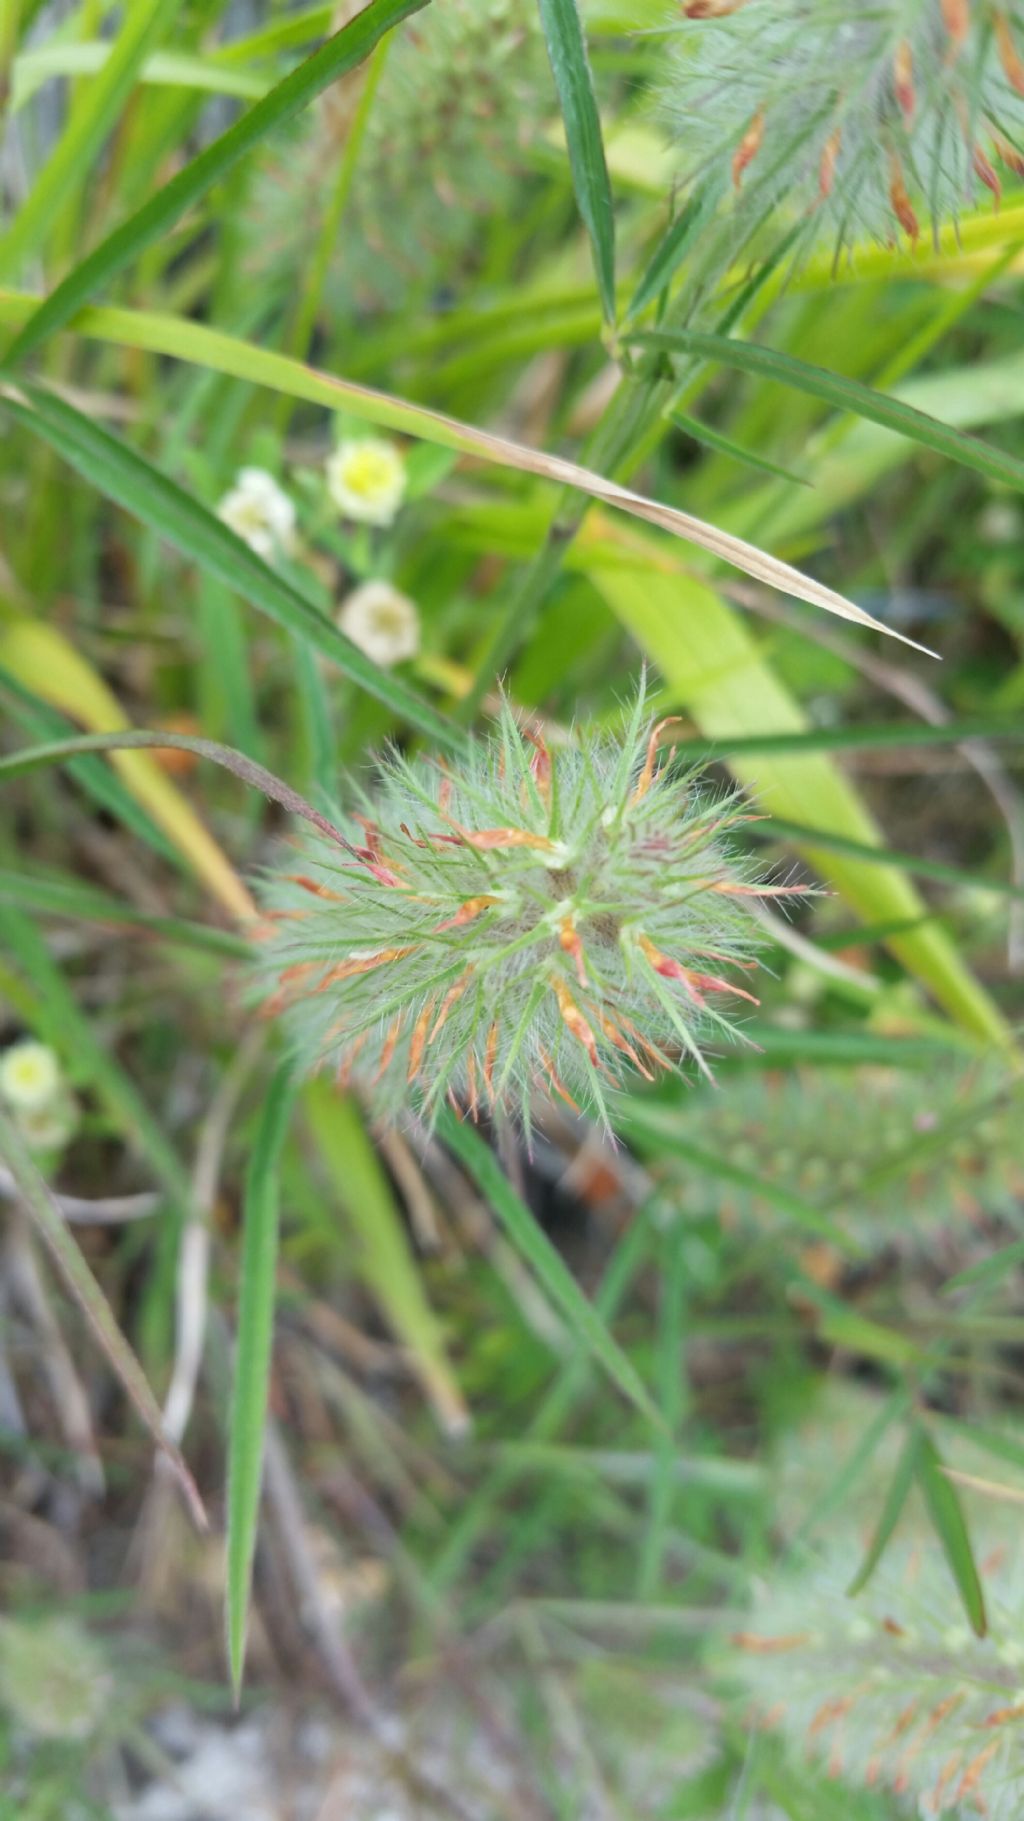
<point x="924" y="1156"/>
<point x="892" y="1689"/>
<point x="382" y="622"/>
<point x="456" y="115"/>
<point x="259" y="512"/>
<point x="874" y="116"/>
<point x="366" y="480"/>
<point x="566" y="919"/>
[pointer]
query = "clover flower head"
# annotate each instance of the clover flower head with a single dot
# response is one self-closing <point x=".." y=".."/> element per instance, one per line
<point x="382" y="622"/>
<point x="893" y="1689"/>
<point x="870" y="117"/>
<point x="259" y="512"/>
<point x="464" y="95"/>
<point x="926" y="1161"/>
<point x="30" y="1076"/>
<point x="566" y="918"/>
<point x="366" y="480"/>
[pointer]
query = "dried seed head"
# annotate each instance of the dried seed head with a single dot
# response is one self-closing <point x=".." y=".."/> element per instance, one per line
<point x="876" y="118"/>
<point x="561" y="918"/>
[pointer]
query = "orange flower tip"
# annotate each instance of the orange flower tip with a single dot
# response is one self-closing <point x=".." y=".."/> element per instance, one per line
<point x="388" y="1049"/>
<point x="903" y="80"/>
<point x="473" y="907"/>
<point x="569" y="939"/>
<point x="418" y="1041"/>
<point x="1009" y="55"/>
<point x="710" y="983"/>
<point x="710" y="9"/>
<point x="573" y="1018"/>
<point x="646" y="777"/>
<point x="829" y="159"/>
<point x="490" y="1054"/>
<point x="540" y="764"/>
<point x="956" y="18"/>
<point x="555" y="1081"/>
<point x="1013" y="160"/>
<point x="985" y="171"/>
<point x="748" y="148"/>
<point x="485" y="840"/>
<point x="314" y="888"/>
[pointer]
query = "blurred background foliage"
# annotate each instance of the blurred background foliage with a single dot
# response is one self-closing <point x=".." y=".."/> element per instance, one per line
<point x="543" y="1432"/>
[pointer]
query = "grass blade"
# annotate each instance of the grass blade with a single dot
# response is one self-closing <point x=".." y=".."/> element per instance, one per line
<point x="48" y="1221"/>
<point x="723" y="445"/>
<point x="41" y="659"/>
<point x="550" y="1268"/>
<point x="227" y="354"/>
<point x="54" y="752"/>
<point x="385" y="1260"/>
<point x="907" y="1468"/>
<point x="567" y="50"/>
<point x="946" y="1512"/>
<point x="167" y="509"/>
<point x="673" y="247"/>
<point x="251" y="1387"/>
<point x="847" y="395"/>
<point x="341" y="53"/>
<point x="92" y="119"/>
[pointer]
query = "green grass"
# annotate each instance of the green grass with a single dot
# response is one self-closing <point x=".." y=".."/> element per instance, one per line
<point x="548" y="1413"/>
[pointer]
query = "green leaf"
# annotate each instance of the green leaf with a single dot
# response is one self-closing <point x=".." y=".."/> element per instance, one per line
<point x="92" y="119"/>
<point x="46" y="1217"/>
<point x="548" y="1265"/>
<point x="899" y="1489"/>
<point x="723" y="445"/>
<point x="673" y="247"/>
<point x="341" y="53"/>
<point x="54" y="896"/>
<point x="567" y="49"/>
<point x="164" y="68"/>
<point x="847" y="395"/>
<point x="191" y="341"/>
<point x="385" y="1259"/>
<point x="946" y="1513"/>
<point x="881" y="856"/>
<point x="251" y="1387"/>
<point x="131" y="481"/>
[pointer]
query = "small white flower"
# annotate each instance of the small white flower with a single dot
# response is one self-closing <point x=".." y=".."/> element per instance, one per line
<point x="382" y="622"/>
<point x="366" y="480"/>
<point x="260" y="512"/>
<point x="52" y="1127"/>
<point x="1000" y="522"/>
<point x="29" y="1076"/>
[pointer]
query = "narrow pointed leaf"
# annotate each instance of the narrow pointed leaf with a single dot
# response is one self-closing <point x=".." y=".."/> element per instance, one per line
<point x="341" y="53"/>
<point x="895" y="1499"/>
<point x="251" y="1387"/>
<point x="947" y="1515"/>
<point x="846" y="395"/>
<point x="567" y="49"/>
